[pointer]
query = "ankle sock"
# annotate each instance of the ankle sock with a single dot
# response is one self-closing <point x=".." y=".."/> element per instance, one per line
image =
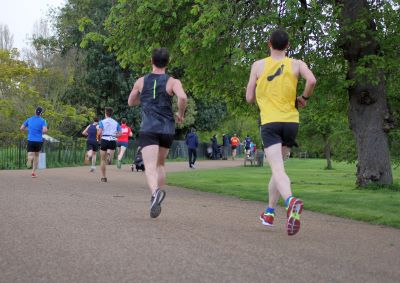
<point x="270" y="210"/>
<point x="287" y="201"/>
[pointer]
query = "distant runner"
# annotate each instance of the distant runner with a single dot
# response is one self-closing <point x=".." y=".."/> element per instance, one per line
<point x="92" y="144"/>
<point x="109" y="130"/>
<point x="123" y="140"/>
<point x="36" y="126"/>
<point x="247" y="143"/>
<point x="234" y="143"/>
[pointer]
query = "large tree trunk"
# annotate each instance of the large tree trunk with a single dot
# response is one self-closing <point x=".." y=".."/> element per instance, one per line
<point x="369" y="115"/>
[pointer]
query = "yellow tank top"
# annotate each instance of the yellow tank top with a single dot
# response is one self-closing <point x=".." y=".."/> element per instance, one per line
<point x="276" y="92"/>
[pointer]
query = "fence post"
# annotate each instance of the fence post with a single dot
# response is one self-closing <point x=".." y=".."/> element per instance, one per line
<point x="74" y="149"/>
<point x="19" y="154"/>
<point x="59" y="151"/>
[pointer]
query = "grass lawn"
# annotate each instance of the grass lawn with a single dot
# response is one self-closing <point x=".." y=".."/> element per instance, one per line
<point x="328" y="191"/>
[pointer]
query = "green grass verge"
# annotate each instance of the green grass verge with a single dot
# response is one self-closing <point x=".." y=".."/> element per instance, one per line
<point x="327" y="191"/>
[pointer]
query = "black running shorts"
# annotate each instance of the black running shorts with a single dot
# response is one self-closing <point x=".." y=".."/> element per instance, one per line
<point x="92" y="145"/>
<point x="34" y="146"/>
<point x="162" y="140"/>
<point x="279" y="132"/>
<point x="105" y="144"/>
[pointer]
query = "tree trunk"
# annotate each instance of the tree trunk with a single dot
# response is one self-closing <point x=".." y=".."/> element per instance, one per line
<point x="327" y="152"/>
<point x="369" y="115"/>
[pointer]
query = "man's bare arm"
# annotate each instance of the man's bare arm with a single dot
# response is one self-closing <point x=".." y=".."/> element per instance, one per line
<point x="306" y="73"/>
<point x="251" y="85"/>
<point x="85" y="133"/>
<point x="134" y="96"/>
<point x="177" y="89"/>
<point x="44" y="130"/>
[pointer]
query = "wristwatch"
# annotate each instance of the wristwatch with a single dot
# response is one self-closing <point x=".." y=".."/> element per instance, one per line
<point x="305" y="97"/>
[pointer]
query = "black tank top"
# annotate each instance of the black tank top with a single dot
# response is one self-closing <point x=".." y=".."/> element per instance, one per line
<point x="157" y="115"/>
<point x="92" y="133"/>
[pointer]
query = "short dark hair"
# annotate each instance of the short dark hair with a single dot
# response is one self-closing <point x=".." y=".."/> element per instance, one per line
<point x="279" y="39"/>
<point x="109" y="111"/>
<point x="123" y="121"/>
<point x="95" y="119"/>
<point x="160" y="57"/>
<point x="39" y="111"/>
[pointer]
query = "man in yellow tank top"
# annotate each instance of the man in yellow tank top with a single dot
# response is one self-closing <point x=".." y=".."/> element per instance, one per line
<point x="273" y="83"/>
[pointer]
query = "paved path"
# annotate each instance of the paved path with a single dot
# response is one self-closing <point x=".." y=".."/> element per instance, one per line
<point x="66" y="226"/>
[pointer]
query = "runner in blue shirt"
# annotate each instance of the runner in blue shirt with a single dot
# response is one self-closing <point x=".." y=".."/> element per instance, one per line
<point x="36" y="126"/>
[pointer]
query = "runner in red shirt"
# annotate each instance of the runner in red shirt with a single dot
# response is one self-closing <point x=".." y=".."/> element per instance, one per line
<point x="234" y="143"/>
<point x="122" y="142"/>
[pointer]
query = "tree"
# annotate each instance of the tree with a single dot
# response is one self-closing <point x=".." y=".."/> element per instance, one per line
<point x="6" y="38"/>
<point x="369" y="115"/>
<point x="353" y="46"/>
<point x="212" y="113"/>
<point x="98" y="80"/>
<point x="19" y="100"/>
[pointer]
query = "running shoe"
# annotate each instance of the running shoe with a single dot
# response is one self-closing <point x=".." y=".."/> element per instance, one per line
<point x="119" y="164"/>
<point x="294" y="210"/>
<point x="104" y="179"/>
<point x="156" y="200"/>
<point x="267" y="218"/>
<point x="92" y="169"/>
<point x="33" y="175"/>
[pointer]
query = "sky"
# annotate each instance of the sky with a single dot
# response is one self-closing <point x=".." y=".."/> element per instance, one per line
<point x="21" y="15"/>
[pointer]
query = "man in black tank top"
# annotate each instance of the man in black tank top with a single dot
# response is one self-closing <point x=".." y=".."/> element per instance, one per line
<point x="92" y="144"/>
<point x="154" y="92"/>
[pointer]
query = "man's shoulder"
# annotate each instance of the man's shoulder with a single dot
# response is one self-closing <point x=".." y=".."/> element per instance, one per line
<point x="295" y="61"/>
<point x="259" y="63"/>
<point x="173" y="80"/>
<point x="258" y="66"/>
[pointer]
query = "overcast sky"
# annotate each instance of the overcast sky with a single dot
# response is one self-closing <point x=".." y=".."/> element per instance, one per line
<point x="20" y="16"/>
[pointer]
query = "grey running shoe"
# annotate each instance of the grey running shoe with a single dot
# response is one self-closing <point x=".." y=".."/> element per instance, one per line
<point x="156" y="200"/>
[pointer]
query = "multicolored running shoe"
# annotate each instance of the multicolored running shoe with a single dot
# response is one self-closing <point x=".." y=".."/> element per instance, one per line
<point x="294" y="210"/>
<point x="267" y="219"/>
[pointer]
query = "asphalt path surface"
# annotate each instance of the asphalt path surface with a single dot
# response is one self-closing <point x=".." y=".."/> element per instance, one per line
<point x="67" y="226"/>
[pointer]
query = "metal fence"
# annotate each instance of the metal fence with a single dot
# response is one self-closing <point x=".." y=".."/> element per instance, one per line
<point x="63" y="153"/>
<point x="71" y="152"/>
